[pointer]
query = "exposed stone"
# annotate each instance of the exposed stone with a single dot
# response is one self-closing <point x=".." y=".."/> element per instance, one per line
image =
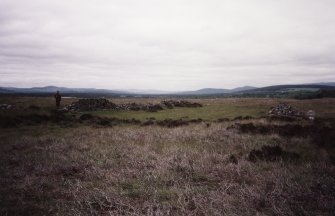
<point x="90" y="105"/>
<point x="96" y="104"/>
<point x="310" y="114"/>
<point x="6" y="107"/>
<point x="285" y="110"/>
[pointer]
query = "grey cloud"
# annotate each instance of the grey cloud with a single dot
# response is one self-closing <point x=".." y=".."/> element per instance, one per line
<point x="166" y="44"/>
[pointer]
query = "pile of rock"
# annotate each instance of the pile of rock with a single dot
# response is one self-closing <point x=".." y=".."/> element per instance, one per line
<point x="310" y="114"/>
<point x="6" y="107"/>
<point x="90" y="105"/>
<point x="285" y="110"/>
<point x="101" y="103"/>
<point x="96" y="104"/>
<point x="129" y="106"/>
<point x="180" y="103"/>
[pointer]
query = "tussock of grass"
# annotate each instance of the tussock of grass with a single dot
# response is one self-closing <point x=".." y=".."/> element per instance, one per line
<point x="154" y="170"/>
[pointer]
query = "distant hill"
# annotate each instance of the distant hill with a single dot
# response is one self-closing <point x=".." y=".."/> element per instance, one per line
<point x="324" y="83"/>
<point x="301" y="91"/>
<point x="277" y="88"/>
<point x="63" y="90"/>
<point x="244" y="88"/>
<point x="204" y="91"/>
<point x="148" y="91"/>
<point x="214" y="91"/>
<point x="304" y="91"/>
<point x="5" y="90"/>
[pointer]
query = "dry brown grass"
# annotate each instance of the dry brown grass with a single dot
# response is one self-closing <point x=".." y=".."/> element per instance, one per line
<point x="134" y="170"/>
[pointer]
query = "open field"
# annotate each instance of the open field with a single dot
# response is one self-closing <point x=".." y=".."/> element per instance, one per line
<point x="212" y="110"/>
<point x="65" y="166"/>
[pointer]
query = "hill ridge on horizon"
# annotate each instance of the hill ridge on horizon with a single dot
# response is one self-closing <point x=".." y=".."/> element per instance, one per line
<point x="202" y="91"/>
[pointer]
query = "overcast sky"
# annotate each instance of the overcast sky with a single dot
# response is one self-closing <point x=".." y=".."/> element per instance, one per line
<point x="167" y="45"/>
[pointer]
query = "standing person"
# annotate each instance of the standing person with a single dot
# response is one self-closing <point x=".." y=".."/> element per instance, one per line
<point x="58" y="98"/>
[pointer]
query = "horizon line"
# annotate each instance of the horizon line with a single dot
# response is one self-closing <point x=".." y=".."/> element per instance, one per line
<point x="169" y="91"/>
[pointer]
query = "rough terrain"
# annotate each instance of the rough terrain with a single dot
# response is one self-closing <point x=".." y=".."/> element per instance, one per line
<point x="238" y="163"/>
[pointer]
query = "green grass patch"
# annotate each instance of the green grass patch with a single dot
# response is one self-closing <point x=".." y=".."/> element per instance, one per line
<point x="210" y="112"/>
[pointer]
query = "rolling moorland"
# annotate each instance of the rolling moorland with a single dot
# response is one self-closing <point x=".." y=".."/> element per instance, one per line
<point x="163" y="156"/>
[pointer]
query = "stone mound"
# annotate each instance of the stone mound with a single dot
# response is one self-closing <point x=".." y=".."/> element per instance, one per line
<point x="285" y="110"/>
<point x="137" y="107"/>
<point x="90" y="105"/>
<point x="6" y="107"/>
<point x="96" y="104"/>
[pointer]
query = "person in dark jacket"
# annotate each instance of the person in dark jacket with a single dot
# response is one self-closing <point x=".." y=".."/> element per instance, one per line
<point x="58" y="98"/>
